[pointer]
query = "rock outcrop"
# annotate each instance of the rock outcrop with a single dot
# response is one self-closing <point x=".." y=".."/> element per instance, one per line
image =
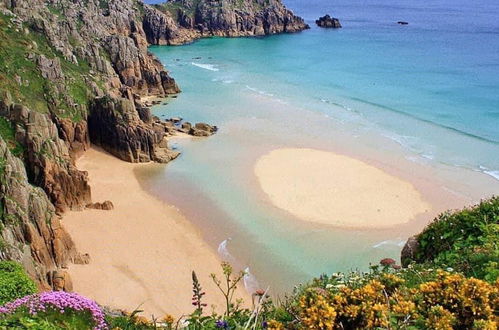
<point x="328" y="22"/>
<point x="73" y="73"/>
<point x="47" y="158"/>
<point x="181" y="21"/>
<point x="409" y="251"/>
<point x="106" y="205"/>
<point x="115" y="125"/>
<point x="31" y="231"/>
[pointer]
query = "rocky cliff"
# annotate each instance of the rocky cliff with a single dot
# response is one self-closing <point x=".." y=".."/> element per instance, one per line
<point x="58" y="60"/>
<point x="181" y="21"/>
<point x="31" y="231"/>
<point x="73" y="73"/>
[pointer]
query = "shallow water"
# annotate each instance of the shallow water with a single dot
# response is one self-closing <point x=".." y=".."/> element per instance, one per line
<point x="420" y="101"/>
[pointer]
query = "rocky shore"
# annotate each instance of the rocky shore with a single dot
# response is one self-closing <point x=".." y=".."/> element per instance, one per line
<point x="74" y="74"/>
<point x="182" y="21"/>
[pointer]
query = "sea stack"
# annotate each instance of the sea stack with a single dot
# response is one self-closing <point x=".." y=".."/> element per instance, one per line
<point x="328" y="22"/>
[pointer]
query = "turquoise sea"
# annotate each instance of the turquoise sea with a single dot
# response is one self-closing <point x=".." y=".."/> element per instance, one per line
<point x="420" y="100"/>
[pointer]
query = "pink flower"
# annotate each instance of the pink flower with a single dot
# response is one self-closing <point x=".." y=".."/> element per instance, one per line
<point x="58" y="300"/>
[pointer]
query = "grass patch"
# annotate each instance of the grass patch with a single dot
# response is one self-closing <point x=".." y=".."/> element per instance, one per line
<point x="7" y="132"/>
<point x="20" y="75"/>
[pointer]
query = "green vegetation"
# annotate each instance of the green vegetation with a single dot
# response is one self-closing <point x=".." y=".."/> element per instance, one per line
<point x="14" y="282"/>
<point x="465" y="240"/>
<point x="441" y="292"/>
<point x="51" y="320"/>
<point x="21" y="77"/>
<point x="7" y="132"/>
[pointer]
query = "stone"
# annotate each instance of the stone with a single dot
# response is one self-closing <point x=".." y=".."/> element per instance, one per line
<point x="107" y="206"/>
<point x="60" y="280"/>
<point x="409" y="251"/>
<point x="328" y="22"/>
<point x="202" y="129"/>
<point x="81" y="259"/>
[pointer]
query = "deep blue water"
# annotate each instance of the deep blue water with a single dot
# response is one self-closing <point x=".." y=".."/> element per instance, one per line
<point x="442" y="70"/>
<point x="431" y="86"/>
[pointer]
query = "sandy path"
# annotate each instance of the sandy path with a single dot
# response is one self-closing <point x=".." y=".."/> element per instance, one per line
<point x="143" y="251"/>
<point x="333" y="189"/>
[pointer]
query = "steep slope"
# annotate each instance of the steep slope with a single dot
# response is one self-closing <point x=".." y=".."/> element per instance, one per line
<point x="64" y="64"/>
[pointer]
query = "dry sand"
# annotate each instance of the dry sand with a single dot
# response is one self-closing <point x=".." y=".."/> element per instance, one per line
<point x="142" y="252"/>
<point x="333" y="189"/>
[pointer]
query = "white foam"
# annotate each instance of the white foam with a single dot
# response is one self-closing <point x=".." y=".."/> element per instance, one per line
<point x="253" y="89"/>
<point x="223" y="251"/>
<point x="390" y="242"/>
<point x="210" y="67"/>
<point x="494" y="174"/>
<point x="250" y="282"/>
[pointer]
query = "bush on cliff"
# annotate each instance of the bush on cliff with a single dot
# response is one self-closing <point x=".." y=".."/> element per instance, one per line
<point x="466" y="240"/>
<point x="14" y="282"/>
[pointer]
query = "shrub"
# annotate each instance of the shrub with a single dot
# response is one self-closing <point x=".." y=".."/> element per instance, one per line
<point x="450" y="301"/>
<point x="57" y="308"/>
<point x="466" y="240"/>
<point x="14" y="282"/>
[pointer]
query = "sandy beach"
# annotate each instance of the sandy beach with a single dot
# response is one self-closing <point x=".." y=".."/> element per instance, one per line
<point x="142" y="252"/>
<point x="333" y="189"/>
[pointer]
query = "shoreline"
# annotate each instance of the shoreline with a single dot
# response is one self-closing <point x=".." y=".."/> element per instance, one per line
<point x="143" y="251"/>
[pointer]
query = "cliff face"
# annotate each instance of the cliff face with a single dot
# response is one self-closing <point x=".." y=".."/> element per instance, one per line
<point x="181" y="21"/>
<point x="58" y="60"/>
<point x="31" y="232"/>
<point x="72" y="73"/>
<point x="116" y="126"/>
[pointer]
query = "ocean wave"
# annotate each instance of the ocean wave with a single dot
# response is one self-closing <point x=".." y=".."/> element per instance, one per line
<point x="256" y="90"/>
<point x="406" y="141"/>
<point x="390" y="242"/>
<point x="492" y="173"/>
<point x="428" y="121"/>
<point x="224" y="81"/>
<point x="339" y="105"/>
<point x="210" y="67"/>
<point x="223" y="251"/>
<point x="250" y="282"/>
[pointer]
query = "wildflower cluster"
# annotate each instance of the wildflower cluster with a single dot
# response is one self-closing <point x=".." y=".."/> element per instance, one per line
<point x="449" y="301"/>
<point x="58" y="301"/>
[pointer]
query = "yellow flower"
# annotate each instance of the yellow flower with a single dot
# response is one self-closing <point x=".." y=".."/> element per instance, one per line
<point x="168" y="319"/>
<point x="316" y="312"/>
<point x="275" y="325"/>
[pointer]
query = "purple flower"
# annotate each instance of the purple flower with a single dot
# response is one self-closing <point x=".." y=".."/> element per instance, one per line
<point x="221" y="324"/>
<point x="265" y="324"/>
<point x="60" y="301"/>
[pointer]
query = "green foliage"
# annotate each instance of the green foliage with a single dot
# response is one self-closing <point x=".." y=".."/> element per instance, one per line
<point x="228" y="285"/>
<point x="465" y="240"/>
<point x="21" y="77"/>
<point x="14" y="282"/>
<point x="7" y="132"/>
<point x="130" y="322"/>
<point x="49" y="320"/>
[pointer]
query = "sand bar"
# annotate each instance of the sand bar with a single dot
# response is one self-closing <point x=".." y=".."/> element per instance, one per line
<point x="333" y="189"/>
<point x="142" y="252"/>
